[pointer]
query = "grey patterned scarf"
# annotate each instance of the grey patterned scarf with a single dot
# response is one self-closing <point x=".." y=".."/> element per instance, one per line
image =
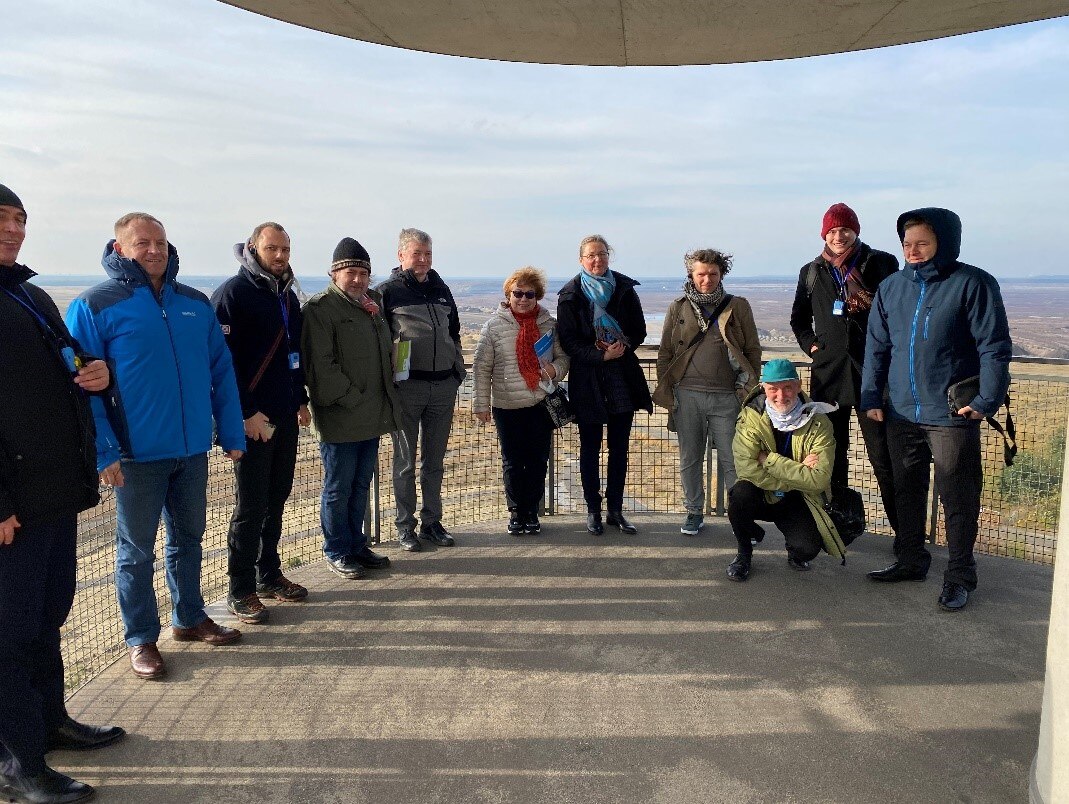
<point x="698" y="301"/>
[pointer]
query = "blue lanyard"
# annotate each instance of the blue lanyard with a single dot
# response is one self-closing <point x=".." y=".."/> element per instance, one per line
<point x="283" y="303"/>
<point x="841" y="278"/>
<point x="31" y="308"/>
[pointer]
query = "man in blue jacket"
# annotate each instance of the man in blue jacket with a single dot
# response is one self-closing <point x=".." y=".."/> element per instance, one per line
<point x="261" y="319"/>
<point x="933" y="324"/>
<point x="172" y="375"/>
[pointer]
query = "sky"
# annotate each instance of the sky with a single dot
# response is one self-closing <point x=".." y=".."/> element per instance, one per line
<point x="214" y="119"/>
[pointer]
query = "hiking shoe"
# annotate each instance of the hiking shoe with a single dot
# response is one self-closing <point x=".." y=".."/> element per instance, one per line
<point x="694" y="523"/>
<point x="282" y="588"/>
<point x="406" y="538"/>
<point x="531" y="523"/>
<point x="248" y="609"/>
<point x="515" y="526"/>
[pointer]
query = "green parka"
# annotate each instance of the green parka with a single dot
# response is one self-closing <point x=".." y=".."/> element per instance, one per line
<point x="753" y="435"/>
<point x="348" y="368"/>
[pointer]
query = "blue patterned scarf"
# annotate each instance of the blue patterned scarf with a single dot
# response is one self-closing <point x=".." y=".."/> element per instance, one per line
<point x="599" y="289"/>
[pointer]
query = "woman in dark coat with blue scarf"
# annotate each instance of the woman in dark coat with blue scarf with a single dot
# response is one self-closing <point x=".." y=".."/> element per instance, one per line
<point x="600" y="324"/>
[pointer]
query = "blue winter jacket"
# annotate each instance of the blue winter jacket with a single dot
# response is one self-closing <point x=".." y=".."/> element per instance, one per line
<point x="933" y="325"/>
<point x="170" y="366"/>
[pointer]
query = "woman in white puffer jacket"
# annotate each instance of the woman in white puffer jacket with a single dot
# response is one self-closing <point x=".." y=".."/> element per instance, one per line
<point x="510" y="384"/>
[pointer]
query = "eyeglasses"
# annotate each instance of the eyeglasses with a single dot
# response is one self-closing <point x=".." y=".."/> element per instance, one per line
<point x="523" y="294"/>
<point x="603" y="254"/>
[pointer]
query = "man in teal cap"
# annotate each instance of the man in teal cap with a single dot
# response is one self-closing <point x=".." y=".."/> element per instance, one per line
<point x="784" y="451"/>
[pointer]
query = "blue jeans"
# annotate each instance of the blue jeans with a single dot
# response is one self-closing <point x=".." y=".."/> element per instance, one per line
<point x="177" y="488"/>
<point x="348" y="468"/>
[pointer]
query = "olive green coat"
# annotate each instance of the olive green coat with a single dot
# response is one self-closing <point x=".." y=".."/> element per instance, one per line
<point x="753" y="435"/>
<point x="348" y="368"/>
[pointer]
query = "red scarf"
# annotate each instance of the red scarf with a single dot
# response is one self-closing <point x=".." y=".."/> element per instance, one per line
<point x="525" y="341"/>
<point x="840" y="261"/>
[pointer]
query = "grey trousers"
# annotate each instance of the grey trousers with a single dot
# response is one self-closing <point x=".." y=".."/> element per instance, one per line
<point x="427" y="407"/>
<point x="704" y="417"/>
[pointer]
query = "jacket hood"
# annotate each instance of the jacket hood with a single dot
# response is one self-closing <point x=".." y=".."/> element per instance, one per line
<point x="247" y="260"/>
<point x="126" y="270"/>
<point x="573" y="286"/>
<point x="947" y="228"/>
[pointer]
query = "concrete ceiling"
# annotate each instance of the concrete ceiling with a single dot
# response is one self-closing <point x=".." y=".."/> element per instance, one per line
<point x="650" y="32"/>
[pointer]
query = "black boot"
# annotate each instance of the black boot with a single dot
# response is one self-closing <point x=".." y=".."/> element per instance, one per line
<point x="617" y="519"/>
<point x="593" y="524"/>
<point x="47" y="787"/>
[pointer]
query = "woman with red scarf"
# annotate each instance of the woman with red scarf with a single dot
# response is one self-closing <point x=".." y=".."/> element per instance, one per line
<point x="829" y="318"/>
<point x="510" y="384"/>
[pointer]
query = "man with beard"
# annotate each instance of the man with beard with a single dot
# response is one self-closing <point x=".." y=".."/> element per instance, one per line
<point x="261" y="321"/>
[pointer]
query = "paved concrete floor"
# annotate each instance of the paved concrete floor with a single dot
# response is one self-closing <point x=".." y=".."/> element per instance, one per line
<point x="563" y="668"/>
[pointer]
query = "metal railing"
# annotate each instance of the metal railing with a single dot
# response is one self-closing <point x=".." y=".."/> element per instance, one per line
<point x="1018" y="518"/>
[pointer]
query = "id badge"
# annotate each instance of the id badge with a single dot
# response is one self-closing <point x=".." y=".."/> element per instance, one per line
<point x="778" y="494"/>
<point x="295" y="360"/>
<point x="837" y="307"/>
<point x="71" y="359"/>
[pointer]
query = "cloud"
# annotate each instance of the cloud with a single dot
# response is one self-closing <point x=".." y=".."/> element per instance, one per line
<point x="216" y="119"/>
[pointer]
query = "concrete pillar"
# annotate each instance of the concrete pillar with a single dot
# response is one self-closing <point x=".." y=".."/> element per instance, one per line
<point x="1050" y="770"/>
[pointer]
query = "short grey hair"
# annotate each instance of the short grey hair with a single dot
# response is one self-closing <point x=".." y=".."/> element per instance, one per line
<point x="130" y="217"/>
<point x="412" y="236"/>
<point x="595" y="238"/>
<point x="709" y="256"/>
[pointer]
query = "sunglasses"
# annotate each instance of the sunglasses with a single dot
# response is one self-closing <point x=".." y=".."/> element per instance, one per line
<point x="524" y="294"/>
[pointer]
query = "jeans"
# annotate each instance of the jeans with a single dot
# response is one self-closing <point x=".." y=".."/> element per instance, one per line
<point x="525" y="435"/>
<point x="590" y="435"/>
<point x="958" y="481"/>
<point x="746" y="503"/>
<point x="703" y="417"/>
<point x="264" y="477"/>
<point x="875" y="437"/>
<point x="428" y="415"/>
<point x="37" y="581"/>
<point x="177" y="487"/>
<point x="348" y="468"/>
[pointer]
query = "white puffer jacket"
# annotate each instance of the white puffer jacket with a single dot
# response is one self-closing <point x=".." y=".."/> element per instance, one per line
<point x="495" y="369"/>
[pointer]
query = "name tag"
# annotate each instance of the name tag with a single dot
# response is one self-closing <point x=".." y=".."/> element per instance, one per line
<point x="71" y="359"/>
<point x="837" y="307"/>
<point x="295" y="360"/>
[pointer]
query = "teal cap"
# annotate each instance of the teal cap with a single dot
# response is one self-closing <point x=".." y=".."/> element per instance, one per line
<point x="779" y="370"/>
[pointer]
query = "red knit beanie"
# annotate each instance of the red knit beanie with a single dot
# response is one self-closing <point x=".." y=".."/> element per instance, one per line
<point x="840" y="215"/>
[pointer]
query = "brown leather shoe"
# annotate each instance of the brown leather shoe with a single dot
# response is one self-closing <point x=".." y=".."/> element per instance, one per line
<point x="207" y="631"/>
<point x="146" y="661"/>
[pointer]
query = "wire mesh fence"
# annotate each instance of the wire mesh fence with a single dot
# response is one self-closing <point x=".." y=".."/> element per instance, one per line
<point x="1019" y="516"/>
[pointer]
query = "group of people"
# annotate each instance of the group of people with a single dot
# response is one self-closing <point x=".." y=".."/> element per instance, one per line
<point x="145" y="375"/>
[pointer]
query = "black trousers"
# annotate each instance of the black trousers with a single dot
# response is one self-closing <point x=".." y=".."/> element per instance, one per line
<point x="875" y="437"/>
<point x="619" y="438"/>
<point x="525" y="435"/>
<point x="264" y="479"/>
<point x="746" y="503"/>
<point x="959" y="480"/>
<point x="37" y="577"/>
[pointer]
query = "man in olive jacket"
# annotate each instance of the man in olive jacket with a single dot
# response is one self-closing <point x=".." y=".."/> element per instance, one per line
<point x="347" y="349"/>
<point x="784" y="450"/>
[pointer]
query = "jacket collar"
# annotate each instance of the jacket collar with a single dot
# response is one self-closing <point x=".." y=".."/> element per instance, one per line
<point x="14" y="275"/>
<point x="255" y="272"/>
<point x="127" y="271"/>
<point x="574" y="284"/>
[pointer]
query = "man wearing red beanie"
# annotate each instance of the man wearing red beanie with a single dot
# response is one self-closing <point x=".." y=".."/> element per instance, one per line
<point x="829" y="318"/>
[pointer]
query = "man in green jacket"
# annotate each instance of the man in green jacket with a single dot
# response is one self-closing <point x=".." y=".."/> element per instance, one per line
<point x="347" y="350"/>
<point x="784" y="450"/>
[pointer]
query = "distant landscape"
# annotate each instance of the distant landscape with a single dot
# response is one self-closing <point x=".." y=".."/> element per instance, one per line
<point x="1036" y="307"/>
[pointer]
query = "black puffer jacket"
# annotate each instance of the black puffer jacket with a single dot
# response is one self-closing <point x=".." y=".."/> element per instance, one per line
<point x="47" y="439"/>
<point x="575" y="327"/>
<point x="836" y="371"/>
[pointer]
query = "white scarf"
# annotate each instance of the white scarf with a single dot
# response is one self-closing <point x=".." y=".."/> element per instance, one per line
<point x="799" y="415"/>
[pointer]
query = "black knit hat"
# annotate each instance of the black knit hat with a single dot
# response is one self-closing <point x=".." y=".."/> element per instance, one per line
<point x="9" y="199"/>
<point x="350" y="254"/>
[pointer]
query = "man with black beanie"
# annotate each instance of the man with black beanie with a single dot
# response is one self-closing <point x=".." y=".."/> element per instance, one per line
<point x="47" y="475"/>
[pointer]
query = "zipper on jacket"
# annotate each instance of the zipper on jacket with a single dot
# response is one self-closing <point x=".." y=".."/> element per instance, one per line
<point x="927" y="316"/>
<point x="434" y="340"/>
<point x="912" y="343"/>
<point x="177" y="370"/>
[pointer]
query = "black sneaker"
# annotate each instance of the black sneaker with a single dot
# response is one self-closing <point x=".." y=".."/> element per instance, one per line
<point x="368" y="559"/>
<point x="346" y="568"/>
<point x="531" y="523"/>
<point x="739" y="569"/>
<point x="436" y="534"/>
<point x="515" y="526"/>
<point x="406" y="537"/>
<point x="248" y="609"/>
